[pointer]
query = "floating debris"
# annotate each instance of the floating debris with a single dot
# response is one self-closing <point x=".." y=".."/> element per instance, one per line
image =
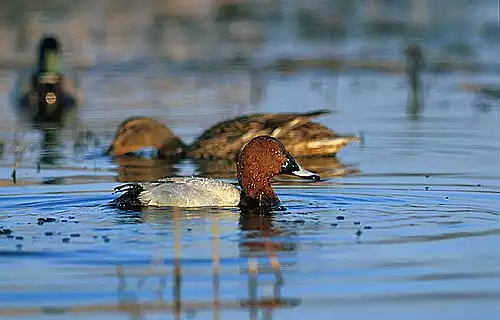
<point x="5" y="231"/>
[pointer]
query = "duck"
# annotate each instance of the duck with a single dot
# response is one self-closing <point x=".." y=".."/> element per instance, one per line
<point x="225" y="140"/>
<point x="45" y="96"/>
<point x="260" y="160"/>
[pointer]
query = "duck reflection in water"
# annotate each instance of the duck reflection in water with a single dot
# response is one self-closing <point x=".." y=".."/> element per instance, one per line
<point x="327" y="167"/>
<point x="135" y="169"/>
<point x="257" y="233"/>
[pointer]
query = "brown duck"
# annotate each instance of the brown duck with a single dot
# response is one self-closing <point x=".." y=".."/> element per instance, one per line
<point x="225" y="140"/>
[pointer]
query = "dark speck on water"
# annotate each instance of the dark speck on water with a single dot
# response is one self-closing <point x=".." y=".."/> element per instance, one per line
<point x="189" y="229"/>
<point x="19" y="246"/>
<point x="426" y="188"/>
<point x="299" y="221"/>
<point x="45" y="220"/>
<point x="10" y="236"/>
<point x="334" y="224"/>
<point x="357" y="223"/>
<point x="367" y="227"/>
<point x="5" y="231"/>
<point x="65" y="240"/>
<point x="19" y="238"/>
<point x="358" y="233"/>
<point x="48" y="233"/>
<point x="340" y="217"/>
<point x="64" y="220"/>
<point x="74" y="235"/>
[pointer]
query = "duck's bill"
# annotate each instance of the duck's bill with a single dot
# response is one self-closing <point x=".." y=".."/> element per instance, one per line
<point x="293" y="168"/>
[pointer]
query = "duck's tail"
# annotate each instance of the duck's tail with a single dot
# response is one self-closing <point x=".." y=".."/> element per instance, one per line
<point x="321" y="147"/>
<point x="317" y="113"/>
<point x="129" y="200"/>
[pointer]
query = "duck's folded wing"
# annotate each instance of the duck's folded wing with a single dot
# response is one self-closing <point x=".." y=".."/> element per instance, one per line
<point x="226" y="139"/>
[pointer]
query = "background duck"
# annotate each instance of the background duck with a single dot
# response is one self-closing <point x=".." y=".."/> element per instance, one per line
<point x="225" y="140"/>
<point x="46" y="96"/>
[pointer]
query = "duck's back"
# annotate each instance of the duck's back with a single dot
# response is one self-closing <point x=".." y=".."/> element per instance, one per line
<point x="301" y="136"/>
<point x="180" y="192"/>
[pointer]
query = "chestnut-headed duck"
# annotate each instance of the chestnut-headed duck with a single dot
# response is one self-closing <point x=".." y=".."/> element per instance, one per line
<point x="45" y="95"/>
<point x="225" y="140"/>
<point x="261" y="159"/>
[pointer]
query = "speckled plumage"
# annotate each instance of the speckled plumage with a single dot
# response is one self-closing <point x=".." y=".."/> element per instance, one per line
<point x="225" y="140"/>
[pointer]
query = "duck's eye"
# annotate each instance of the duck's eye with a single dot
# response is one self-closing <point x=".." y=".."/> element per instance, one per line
<point x="285" y="164"/>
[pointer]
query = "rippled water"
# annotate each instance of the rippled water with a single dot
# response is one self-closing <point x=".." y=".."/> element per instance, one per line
<point x="404" y="225"/>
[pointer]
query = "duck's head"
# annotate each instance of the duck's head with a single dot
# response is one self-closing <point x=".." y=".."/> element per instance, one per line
<point x="261" y="159"/>
<point x="49" y="50"/>
<point x="138" y="133"/>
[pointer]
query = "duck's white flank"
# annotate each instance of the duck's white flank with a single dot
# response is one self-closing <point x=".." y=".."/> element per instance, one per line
<point x="189" y="192"/>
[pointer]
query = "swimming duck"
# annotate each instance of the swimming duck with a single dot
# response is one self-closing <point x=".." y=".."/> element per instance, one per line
<point x="225" y="140"/>
<point x="45" y="95"/>
<point x="261" y="159"/>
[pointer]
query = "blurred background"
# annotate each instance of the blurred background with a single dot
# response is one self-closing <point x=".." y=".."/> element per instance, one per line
<point x="179" y="55"/>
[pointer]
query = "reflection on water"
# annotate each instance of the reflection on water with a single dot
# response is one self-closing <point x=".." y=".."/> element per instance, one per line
<point x="326" y="167"/>
<point x="134" y="169"/>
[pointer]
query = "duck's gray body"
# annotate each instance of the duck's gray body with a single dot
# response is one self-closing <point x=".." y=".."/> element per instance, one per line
<point x="181" y="192"/>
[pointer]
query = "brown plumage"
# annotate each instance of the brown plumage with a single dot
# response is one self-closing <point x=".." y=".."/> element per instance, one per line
<point x="263" y="152"/>
<point x="225" y="140"/>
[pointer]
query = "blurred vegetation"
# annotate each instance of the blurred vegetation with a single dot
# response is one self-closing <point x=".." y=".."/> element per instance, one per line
<point x="206" y="30"/>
